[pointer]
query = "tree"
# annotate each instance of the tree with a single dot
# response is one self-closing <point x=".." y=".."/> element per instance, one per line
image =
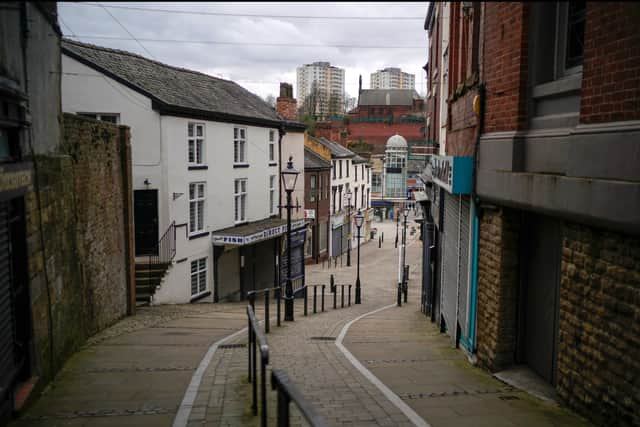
<point x="270" y="99"/>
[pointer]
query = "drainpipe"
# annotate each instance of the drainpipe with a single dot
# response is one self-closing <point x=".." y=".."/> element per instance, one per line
<point x="281" y="133"/>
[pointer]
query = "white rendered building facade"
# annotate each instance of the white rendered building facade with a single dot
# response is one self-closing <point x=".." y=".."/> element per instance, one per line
<point x="213" y="179"/>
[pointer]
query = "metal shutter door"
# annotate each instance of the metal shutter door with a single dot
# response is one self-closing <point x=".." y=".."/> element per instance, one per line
<point x="7" y="362"/>
<point x="463" y="313"/>
<point x="450" y="263"/>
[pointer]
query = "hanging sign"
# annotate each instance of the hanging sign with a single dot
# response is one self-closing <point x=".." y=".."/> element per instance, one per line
<point x="454" y="174"/>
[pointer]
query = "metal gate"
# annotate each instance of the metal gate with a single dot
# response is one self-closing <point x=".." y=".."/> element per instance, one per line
<point x="7" y="322"/>
<point x="455" y="264"/>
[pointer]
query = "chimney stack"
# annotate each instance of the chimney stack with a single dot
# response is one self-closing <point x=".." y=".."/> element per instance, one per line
<point x="286" y="105"/>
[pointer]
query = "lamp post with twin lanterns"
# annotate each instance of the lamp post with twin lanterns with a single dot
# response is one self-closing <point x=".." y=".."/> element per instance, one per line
<point x="347" y="195"/>
<point x="359" y="218"/>
<point x="289" y="178"/>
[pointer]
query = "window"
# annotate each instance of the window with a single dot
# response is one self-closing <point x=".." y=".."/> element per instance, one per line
<point x="195" y="138"/>
<point x="355" y="198"/>
<point x="272" y="146"/>
<point x="196" y="207"/>
<point x="312" y="188"/>
<point x="272" y="194"/>
<point x="347" y="167"/>
<point x="355" y="172"/>
<point x="363" y="202"/>
<point x="340" y="167"/>
<point x="9" y="145"/>
<point x="340" y="198"/>
<point x="362" y="171"/>
<point x="333" y="191"/>
<point x="239" y="145"/>
<point x="198" y="276"/>
<point x="334" y="169"/>
<point x="240" y="200"/>
<point x="575" y="34"/>
<point x="320" y="188"/>
<point x="104" y="117"/>
<point x="322" y="237"/>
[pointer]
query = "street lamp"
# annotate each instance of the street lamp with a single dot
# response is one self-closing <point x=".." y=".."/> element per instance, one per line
<point x="348" y="197"/>
<point x="289" y="178"/>
<point x="359" y="218"/>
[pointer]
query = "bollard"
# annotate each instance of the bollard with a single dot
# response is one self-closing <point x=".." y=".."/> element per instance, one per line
<point x="342" y="296"/>
<point x="249" y="333"/>
<point x="322" y="304"/>
<point x="335" y="294"/>
<point x="315" y="295"/>
<point x="335" y="262"/>
<point x="305" y="300"/>
<point x="349" y="296"/>
<point x="332" y="282"/>
<point x="399" y="294"/>
<point x="379" y="242"/>
<point x="406" y="291"/>
<point x="278" y="295"/>
<point x="383" y="236"/>
<point x="266" y="311"/>
<point x="254" y="375"/>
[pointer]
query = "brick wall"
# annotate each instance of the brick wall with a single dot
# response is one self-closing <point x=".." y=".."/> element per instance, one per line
<point x="505" y="65"/>
<point x="497" y="287"/>
<point x="86" y="226"/>
<point x="611" y="68"/>
<point x="461" y="137"/>
<point x="599" y="325"/>
<point x="287" y="108"/>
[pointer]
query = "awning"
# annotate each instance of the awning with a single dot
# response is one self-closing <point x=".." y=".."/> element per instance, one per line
<point x="254" y="232"/>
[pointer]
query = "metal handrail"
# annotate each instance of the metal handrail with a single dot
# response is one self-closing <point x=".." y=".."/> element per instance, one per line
<point x="257" y="338"/>
<point x="165" y="251"/>
<point x="251" y="296"/>
<point x="287" y="392"/>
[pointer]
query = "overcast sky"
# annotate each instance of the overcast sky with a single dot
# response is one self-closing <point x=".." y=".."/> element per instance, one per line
<point x="248" y="59"/>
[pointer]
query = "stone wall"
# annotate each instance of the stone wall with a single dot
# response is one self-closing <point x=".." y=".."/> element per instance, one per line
<point x="80" y="279"/>
<point x="497" y="287"/>
<point x="599" y="325"/>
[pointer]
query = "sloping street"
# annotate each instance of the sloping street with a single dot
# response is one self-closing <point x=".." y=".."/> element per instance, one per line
<point x="138" y="371"/>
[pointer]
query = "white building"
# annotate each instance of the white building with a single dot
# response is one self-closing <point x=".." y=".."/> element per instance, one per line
<point x="392" y="78"/>
<point x="328" y="80"/>
<point x="350" y="174"/>
<point x="206" y="171"/>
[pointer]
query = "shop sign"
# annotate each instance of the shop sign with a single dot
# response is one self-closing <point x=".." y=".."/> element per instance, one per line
<point x="309" y="214"/>
<point x="454" y="174"/>
<point x="255" y="237"/>
<point x="15" y="178"/>
<point x="297" y="257"/>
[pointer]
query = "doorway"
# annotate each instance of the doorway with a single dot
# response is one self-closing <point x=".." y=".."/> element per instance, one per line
<point x="145" y="217"/>
<point x="540" y="287"/>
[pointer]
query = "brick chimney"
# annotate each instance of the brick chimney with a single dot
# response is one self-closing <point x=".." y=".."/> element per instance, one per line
<point x="286" y="105"/>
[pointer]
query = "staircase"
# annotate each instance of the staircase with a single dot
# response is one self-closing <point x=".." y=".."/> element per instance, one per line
<point x="149" y="273"/>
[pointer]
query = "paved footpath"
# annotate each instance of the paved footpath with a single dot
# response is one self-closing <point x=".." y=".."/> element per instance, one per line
<point x="159" y="368"/>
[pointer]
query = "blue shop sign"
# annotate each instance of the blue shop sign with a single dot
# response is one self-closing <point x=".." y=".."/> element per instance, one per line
<point x="454" y="174"/>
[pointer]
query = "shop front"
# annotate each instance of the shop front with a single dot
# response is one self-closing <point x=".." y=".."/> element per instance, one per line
<point x="246" y="258"/>
<point x="449" y="279"/>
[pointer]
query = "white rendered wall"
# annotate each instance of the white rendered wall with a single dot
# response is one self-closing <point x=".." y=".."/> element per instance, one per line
<point x="293" y="145"/>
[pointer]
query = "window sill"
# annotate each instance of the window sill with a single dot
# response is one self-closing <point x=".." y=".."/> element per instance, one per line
<point x="240" y="165"/>
<point x="560" y="86"/>
<point x="198" y="235"/>
<point x="199" y="296"/>
<point x="197" y="167"/>
<point x="239" y="223"/>
<point x="273" y="164"/>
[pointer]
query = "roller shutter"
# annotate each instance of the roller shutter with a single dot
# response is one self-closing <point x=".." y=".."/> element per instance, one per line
<point x="7" y="316"/>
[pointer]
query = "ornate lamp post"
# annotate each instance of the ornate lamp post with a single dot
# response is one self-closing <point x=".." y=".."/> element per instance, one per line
<point x="347" y="195"/>
<point x="289" y="178"/>
<point x="359" y="218"/>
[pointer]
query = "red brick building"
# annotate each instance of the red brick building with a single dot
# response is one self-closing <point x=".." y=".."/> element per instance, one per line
<point x="380" y="114"/>
<point x="557" y="188"/>
<point x="317" y="180"/>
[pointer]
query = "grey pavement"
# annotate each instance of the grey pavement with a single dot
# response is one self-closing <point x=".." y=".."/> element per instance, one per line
<point x="136" y="372"/>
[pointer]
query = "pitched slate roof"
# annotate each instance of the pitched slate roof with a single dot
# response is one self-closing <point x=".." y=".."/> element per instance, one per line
<point x="337" y="150"/>
<point x="314" y="161"/>
<point x="174" y="89"/>
<point x="388" y="97"/>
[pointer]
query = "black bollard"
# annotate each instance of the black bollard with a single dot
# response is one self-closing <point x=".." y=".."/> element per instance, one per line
<point x="399" y="294"/>
<point x="349" y="296"/>
<point x="322" y="304"/>
<point x="379" y="242"/>
<point x="266" y="311"/>
<point x="383" y="236"/>
<point x="315" y="296"/>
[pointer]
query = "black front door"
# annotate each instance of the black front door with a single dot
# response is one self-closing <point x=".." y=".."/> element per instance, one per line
<point x="145" y="217"/>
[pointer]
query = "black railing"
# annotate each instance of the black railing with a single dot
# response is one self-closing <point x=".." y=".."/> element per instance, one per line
<point x="251" y="295"/>
<point x="257" y="338"/>
<point x="161" y="257"/>
<point x="287" y="393"/>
